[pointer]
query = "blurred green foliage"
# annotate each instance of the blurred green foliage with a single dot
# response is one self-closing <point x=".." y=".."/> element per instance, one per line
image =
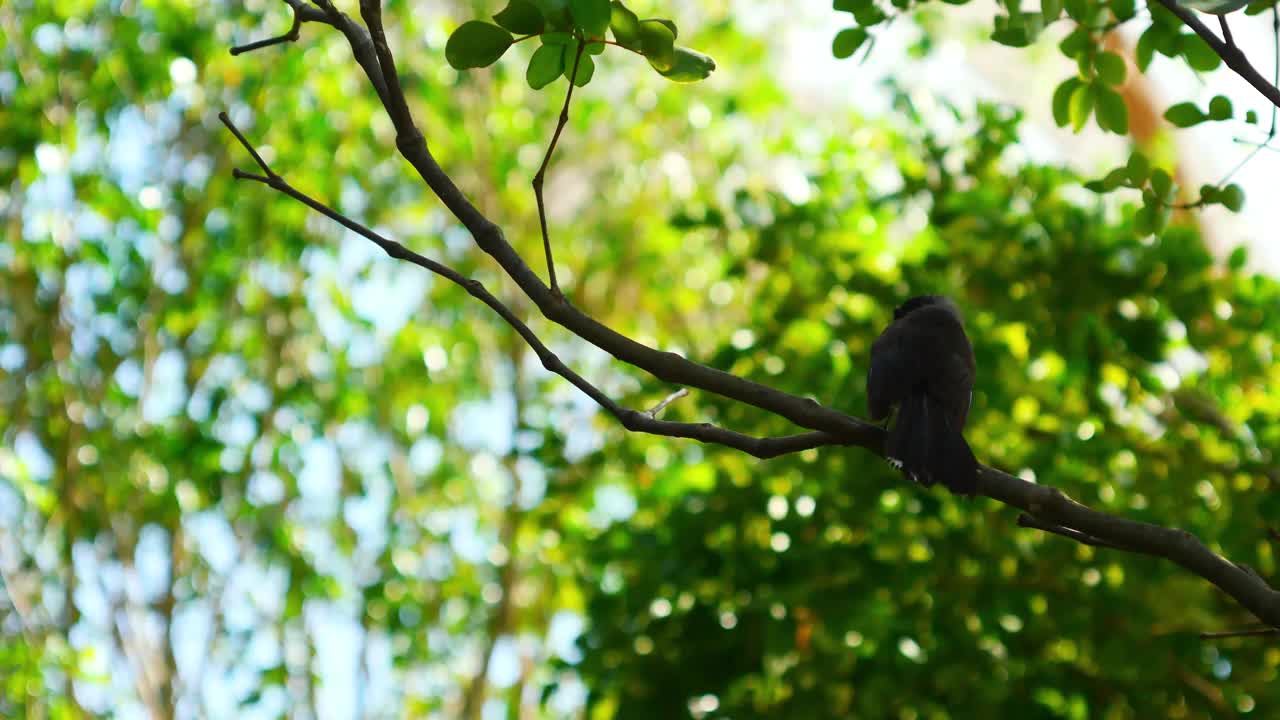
<point x="223" y="417"/>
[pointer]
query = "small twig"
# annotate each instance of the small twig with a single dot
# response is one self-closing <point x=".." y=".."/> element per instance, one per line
<point x="1239" y="633"/>
<point x="290" y="36"/>
<point x="539" y="176"/>
<point x="301" y="13"/>
<point x="1028" y="521"/>
<point x="653" y="411"/>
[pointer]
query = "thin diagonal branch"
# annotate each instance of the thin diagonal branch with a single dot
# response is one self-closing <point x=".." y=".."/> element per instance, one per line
<point x="1227" y="50"/>
<point x="1027" y="521"/>
<point x="630" y="419"/>
<point x="539" y="176"/>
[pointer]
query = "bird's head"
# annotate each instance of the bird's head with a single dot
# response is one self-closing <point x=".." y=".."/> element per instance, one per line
<point x="921" y="301"/>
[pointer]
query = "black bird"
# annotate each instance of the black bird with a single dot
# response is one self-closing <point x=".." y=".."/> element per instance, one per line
<point x="922" y="365"/>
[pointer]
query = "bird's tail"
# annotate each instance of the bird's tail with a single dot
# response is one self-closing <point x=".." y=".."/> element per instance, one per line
<point x="923" y="444"/>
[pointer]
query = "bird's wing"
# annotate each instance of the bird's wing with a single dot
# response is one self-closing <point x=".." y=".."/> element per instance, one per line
<point x="893" y="372"/>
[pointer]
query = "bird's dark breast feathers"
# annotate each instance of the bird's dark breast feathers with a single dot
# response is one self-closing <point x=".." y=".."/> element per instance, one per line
<point x="927" y="351"/>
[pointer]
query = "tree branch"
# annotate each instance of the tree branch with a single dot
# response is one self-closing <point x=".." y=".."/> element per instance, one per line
<point x="1047" y="505"/>
<point x="1227" y="50"/>
<point x="630" y="419"/>
<point x="1027" y="521"/>
<point x="1051" y="505"/>
<point x="665" y="366"/>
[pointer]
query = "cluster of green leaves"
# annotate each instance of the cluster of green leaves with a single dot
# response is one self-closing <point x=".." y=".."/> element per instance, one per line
<point x="1093" y="92"/>
<point x="562" y="26"/>
<point x="1187" y="114"/>
<point x="1160" y="192"/>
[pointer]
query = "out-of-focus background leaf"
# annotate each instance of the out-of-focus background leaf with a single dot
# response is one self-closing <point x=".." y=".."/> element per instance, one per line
<point x="250" y="467"/>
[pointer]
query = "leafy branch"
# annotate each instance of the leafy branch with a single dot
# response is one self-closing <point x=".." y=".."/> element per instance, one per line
<point x="1046" y="507"/>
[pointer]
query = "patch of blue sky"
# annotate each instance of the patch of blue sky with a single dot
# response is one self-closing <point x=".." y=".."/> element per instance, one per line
<point x="34" y="458"/>
<point x="166" y="395"/>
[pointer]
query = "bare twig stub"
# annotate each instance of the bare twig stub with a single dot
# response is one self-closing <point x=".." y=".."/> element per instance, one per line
<point x="1048" y="507"/>
<point x="653" y="411"/>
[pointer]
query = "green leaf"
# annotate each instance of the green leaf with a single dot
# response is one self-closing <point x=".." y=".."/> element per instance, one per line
<point x="1123" y="9"/>
<point x="625" y="26"/>
<point x="1146" y="49"/>
<point x="521" y="17"/>
<point x="689" y="66"/>
<point x="555" y="38"/>
<point x="1051" y="9"/>
<point x="1113" y="180"/>
<point x="1152" y="217"/>
<point x="1011" y="31"/>
<point x="1075" y="43"/>
<point x="1232" y="197"/>
<point x="586" y="66"/>
<point x="1208" y="194"/>
<point x="545" y="66"/>
<point x="1111" y="111"/>
<point x="657" y="44"/>
<point x="592" y="16"/>
<point x="1110" y="68"/>
<point x="1162" y="185"/>
<point x="1184" y="114"/>
<point x="1220" y="108"/>
<point x="848" y="41"/>
<point x="1251" y="117"/>
<point x="670" y="24"/>
<point x="1062" y="101"/>
<point x="1238" y="258"/>
<point x="1139" y="168"/>
<point x="1144" y="221"/>
<point x="1079" y="10"/>
<point x="476" y="44"/>
<point x="1198" y="54"/>
<point x="1081" y="106"/>
<point x="554" y="10"/>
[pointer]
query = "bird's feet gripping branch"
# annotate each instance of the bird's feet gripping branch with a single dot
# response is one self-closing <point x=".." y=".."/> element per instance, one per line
<point x="921" y="379"/>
